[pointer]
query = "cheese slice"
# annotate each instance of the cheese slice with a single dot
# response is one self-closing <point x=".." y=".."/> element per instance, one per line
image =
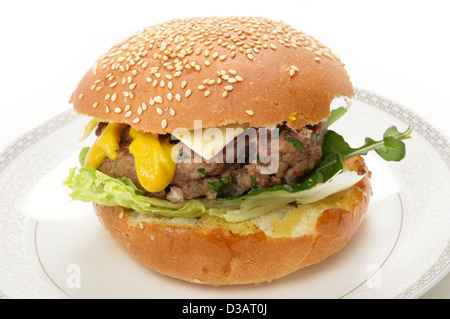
<point x="208" y="142"/>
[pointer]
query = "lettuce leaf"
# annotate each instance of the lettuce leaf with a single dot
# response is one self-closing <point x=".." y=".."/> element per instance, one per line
<point x="91" y="185"/>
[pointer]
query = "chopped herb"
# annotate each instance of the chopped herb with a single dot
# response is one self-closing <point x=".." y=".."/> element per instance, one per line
<point x="294" y="142"/>
<point x="317" y="137"/>
<point x="254" y="182"/>
<point x="217" y="185"/>
<point x="201" y="172"/>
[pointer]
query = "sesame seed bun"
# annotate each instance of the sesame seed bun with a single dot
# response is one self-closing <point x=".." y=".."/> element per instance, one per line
<point x="211" y="251"/>
<point x="218" y="70"/>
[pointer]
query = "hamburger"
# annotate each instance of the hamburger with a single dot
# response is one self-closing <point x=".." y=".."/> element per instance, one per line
<point x="213" y="160"/>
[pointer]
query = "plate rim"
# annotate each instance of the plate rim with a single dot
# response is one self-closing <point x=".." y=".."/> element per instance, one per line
<point x="434" y="136"/>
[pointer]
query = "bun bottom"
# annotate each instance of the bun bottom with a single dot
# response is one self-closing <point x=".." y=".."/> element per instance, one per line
<point x="211" y="251"/>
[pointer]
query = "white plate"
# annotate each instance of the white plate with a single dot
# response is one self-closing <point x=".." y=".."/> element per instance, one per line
<point x="51" y="247"/>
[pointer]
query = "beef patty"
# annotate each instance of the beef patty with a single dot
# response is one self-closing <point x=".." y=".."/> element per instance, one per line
<point x="299" y="152"/>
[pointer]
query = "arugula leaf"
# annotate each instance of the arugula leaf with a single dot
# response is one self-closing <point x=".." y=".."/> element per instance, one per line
<point x="390" y="148"/>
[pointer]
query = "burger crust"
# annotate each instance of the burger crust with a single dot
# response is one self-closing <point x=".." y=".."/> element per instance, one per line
<point x="218" y="70"/>
<point x="214" y="252"/>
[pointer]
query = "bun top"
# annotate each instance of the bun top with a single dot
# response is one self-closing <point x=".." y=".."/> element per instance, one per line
<point x="217" y="70"/>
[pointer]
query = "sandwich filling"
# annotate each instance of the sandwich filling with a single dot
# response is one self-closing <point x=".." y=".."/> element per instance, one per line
<point x="139" y="171"/>
<point x="193" y="176"/>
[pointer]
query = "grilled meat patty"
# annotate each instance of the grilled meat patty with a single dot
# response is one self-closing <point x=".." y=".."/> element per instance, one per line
<point x="299" y="152"/>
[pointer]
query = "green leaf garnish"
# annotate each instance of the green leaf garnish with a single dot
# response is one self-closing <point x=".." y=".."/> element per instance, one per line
<point x="390" y="148"/>
<point x="336" y="114"/>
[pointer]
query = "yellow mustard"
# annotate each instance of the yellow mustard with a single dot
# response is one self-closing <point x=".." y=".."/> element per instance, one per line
<point x="153" y="160"/>
<point x="106" y="145"/>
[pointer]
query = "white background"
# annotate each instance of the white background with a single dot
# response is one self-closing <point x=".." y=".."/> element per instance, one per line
<point x="397" y="49"/>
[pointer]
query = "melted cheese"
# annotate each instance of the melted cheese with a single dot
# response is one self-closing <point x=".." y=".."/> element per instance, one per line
<point x="208" y="142"/>
<point x="106" y="145"/>
<point x="153" y="160"/>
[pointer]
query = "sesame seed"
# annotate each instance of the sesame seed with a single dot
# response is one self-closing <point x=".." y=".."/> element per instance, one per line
<point x="121" y="215"/>
<point x="169" y="96"/>
<point x="273" y="46"/>
<point x="177" y="74"/>
<point x="238" y="78"/>
<point x="128" y="114"/>
<point x="107" y="109"/>
<point x="127" y="107"/>
<point x="228" y="87"/>
<point x="249" y="112"/>
<point x="291" y="72"/>
<point x="233" y="72"/>
<point x="114" y="97"/>
<point x="159" y="111"/>
<point x="317" y="59"/>
<point x="201" y="87"/>
<point x="188" y="93"/>
<point x="232" y="80"/>
<point x="158" y="99"/>
<point x="223" y="57"/>
<point x="164" y="123"/>
<point x="80" y="96"/>
<point x="117" y="110"/>
<point x="224" y="93"/>
<point x="144" y="106"/>
<point x="95" y="105"/>
<point x="172" y="112"/>
<point x="141" y="226"/>
<point x="113" y="84"/>
<point x="207" y="93"/>
<point x="183" y="84"/>
<point x="178" y="97"/>
<point x="136" y="120"/>
<point x="294" y="68"/>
